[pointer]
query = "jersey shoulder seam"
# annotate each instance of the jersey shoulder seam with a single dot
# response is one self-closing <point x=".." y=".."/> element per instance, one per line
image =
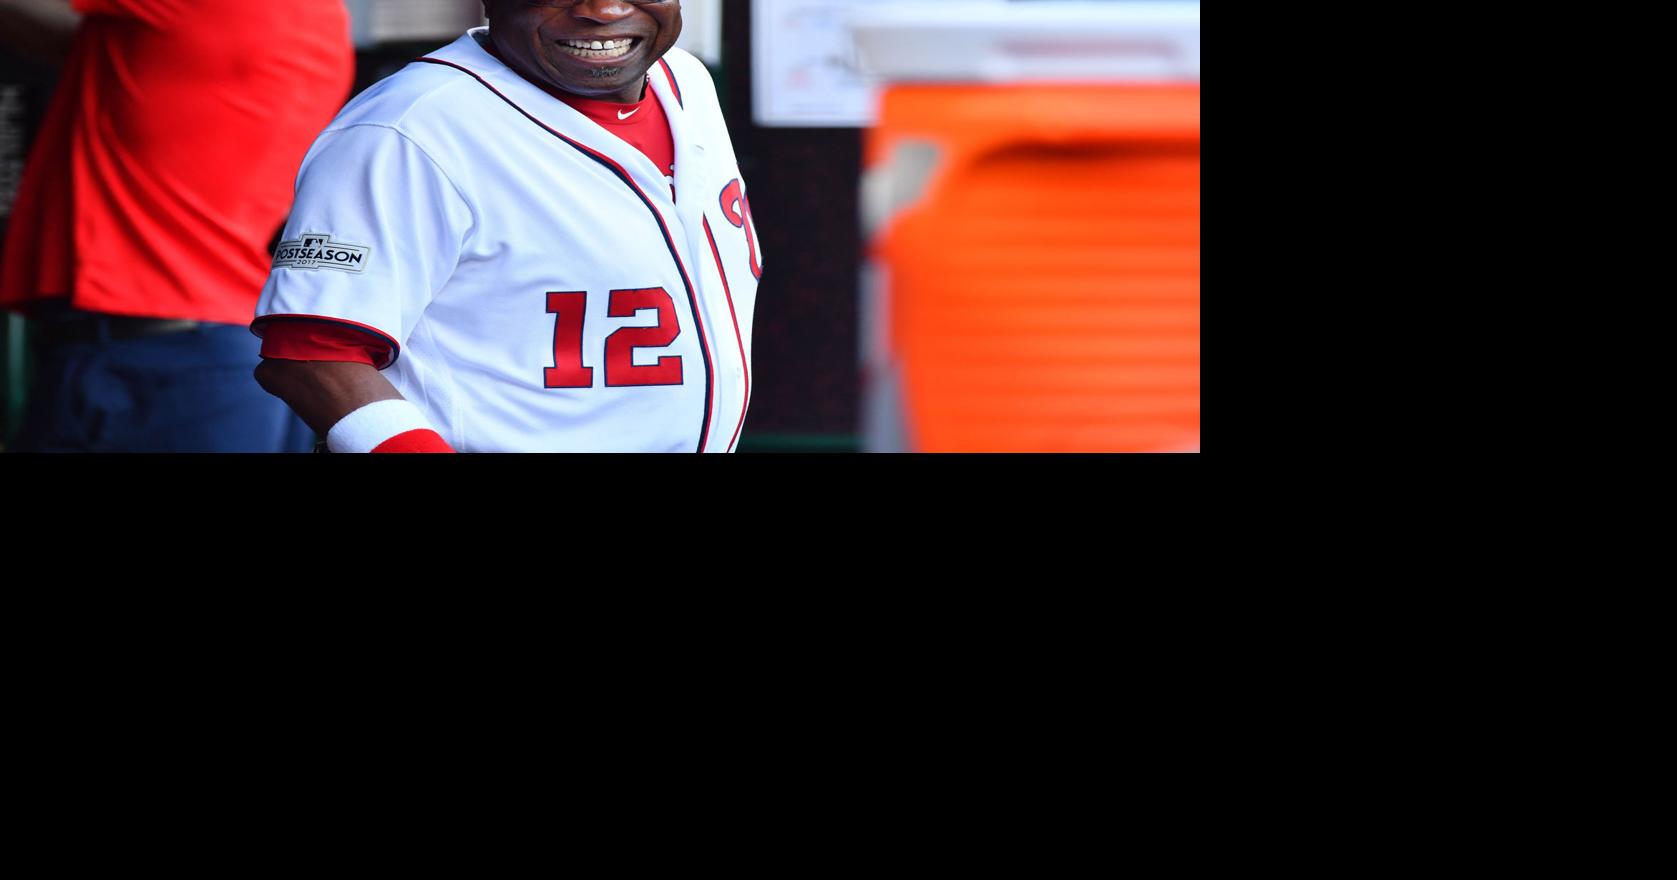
<point x="420" y="99"/>
<point x="458" y="192"/>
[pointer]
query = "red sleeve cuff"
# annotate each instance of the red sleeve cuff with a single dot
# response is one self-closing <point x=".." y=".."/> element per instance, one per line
<point x="321" y="341"/>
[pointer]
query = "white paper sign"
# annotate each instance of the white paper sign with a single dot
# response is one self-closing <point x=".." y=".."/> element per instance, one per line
<point x="804" y="68"/>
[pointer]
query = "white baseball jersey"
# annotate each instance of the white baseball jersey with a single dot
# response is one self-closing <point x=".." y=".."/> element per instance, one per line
<point x="542" y="289"/>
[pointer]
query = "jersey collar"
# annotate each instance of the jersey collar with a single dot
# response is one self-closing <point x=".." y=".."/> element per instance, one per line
<point x="535" y="100"/>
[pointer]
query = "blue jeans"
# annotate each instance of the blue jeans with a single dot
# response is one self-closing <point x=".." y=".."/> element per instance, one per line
<point x="191" y="391"/>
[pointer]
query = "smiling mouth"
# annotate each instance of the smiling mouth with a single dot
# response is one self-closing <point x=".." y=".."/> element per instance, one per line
<point x="599" y="48"/>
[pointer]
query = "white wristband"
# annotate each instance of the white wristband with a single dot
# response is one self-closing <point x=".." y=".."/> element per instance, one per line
<point x="364" y="429"/>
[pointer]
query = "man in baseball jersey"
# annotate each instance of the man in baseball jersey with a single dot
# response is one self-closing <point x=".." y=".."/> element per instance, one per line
<point x="533" y="239"/>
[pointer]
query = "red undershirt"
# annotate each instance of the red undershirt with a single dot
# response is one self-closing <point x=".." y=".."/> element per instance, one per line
<point x="642" y="125"/>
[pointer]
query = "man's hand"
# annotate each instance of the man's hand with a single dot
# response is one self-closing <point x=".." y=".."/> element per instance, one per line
<point x="39" y="30"/>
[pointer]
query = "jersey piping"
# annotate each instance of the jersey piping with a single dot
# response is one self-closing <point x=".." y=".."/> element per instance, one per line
<point x="745" y="363"/>
<point x="674" y="86"/>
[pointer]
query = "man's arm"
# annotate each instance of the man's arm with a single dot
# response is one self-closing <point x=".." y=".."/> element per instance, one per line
<point x="38" y="29"/>
<point x="323" y="392"/>
<point x="355" y="407"/>
<point x="408" y="222"/>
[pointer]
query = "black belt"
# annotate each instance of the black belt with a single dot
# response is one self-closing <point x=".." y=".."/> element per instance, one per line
<point x="91" y="328"/>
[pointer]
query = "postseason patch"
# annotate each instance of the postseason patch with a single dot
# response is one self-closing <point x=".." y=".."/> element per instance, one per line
<point x="315" y="251"/>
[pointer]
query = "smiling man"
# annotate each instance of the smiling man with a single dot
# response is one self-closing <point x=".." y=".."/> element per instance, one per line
<point x="533" y="239"/>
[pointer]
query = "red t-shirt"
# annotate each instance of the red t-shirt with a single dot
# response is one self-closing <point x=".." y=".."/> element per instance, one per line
<point x="167" y="158"/>
<point x="642" y="125"/>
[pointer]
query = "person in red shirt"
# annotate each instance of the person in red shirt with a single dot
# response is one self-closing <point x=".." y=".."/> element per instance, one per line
<point x="140" y="238"/>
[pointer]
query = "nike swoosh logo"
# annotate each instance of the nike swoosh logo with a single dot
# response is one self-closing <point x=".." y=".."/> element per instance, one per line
<point x="622" y="116"/>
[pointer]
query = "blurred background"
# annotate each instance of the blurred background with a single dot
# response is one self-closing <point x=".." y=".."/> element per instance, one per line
<point x="979" y="218"/>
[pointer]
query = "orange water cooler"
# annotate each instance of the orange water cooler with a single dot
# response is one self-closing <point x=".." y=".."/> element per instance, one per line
<point x="1031" y="207"/>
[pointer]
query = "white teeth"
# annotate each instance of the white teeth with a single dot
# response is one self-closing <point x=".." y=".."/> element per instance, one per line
<point x="593" y="48"/>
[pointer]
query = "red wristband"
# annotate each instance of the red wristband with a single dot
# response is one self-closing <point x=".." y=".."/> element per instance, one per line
<point x="417" y="440"/>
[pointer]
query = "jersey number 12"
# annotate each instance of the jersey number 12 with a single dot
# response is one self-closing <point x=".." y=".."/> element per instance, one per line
<point x="571" y="309"/>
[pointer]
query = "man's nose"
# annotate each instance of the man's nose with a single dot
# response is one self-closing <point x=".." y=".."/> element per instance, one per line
<point x="603" y="11"/>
